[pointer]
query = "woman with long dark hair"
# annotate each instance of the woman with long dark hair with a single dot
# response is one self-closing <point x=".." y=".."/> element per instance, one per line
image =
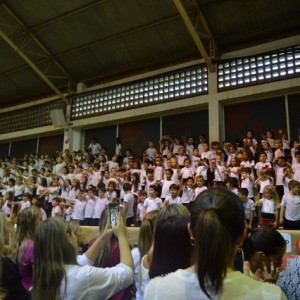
<point x="217" y="230"/>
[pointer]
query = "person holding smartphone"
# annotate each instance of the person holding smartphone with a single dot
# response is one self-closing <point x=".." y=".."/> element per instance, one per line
<point x="55" y="258"/>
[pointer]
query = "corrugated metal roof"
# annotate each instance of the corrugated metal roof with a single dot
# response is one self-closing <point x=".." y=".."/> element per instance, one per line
<point x="97" y="41"/>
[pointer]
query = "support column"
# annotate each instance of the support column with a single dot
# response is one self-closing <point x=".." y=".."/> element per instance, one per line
<point x="215" y="111"/>
<point x="72" y="139"/>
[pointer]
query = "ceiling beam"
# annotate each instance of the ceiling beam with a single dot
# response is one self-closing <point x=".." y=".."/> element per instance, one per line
<point x="33" y="66"/>
<point x="44" y="50"/>
<point x="206" y="29"/>
<point x="187" y="21"/>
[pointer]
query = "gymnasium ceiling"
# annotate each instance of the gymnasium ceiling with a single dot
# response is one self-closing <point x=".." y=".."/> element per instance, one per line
<point x="48" y="46"/>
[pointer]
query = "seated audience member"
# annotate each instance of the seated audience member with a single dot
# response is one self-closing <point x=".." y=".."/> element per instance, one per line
<point x="264" y="249"/>
<point x="217" y="229"/>
<point x="10" y="280"/>
<point x="55" y="258"/>
<point x="22" y="248"/>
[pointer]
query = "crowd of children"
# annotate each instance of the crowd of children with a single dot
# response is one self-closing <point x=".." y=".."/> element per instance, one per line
<point x="80" y="185"/>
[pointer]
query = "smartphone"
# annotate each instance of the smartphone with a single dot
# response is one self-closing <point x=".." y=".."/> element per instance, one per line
<point x="238" y="263"/>
<point x="113" y="213"/>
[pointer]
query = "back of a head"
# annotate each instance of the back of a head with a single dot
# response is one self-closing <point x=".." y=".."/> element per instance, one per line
<point x="217" y="225"/>
<point x="146" y="232"/>
<point x="3" y="230"/>
<point x="172" y="210"/>
<point x="265" y="239"/>
<point x="52" y="250"/>
<point x="27" y="221"/>
<point x="172" y="247"/>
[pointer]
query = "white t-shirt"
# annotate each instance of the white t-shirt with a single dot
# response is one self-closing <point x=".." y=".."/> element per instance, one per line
<point x="165" y="188"/>
<point x="89" y="208"/>
<point x="199" y="190"/>
<point x="268" y="205"/>
<point x="152" y="204"/>
<point x="171" y="201"/>
<point x="292" y="207"/>
<point x="89" y="282"/>
<point x="129" y="198"/>
<point x="100" y="205"/>
<point x="184" y="285"/>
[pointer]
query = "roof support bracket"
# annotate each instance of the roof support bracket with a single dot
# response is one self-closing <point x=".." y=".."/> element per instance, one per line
<point x="194" y="34"/>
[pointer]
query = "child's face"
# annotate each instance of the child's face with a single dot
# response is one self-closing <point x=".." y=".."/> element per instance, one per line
<point x="190" y="183"/>
<point x="200" y="182"/>
<point x="151" y="144"/>
<point x="295" y="190"/>
<point x="142" y="198"/>
<point x="263" y="158"/>
<point x="54" y="203"/>
<point x="173" y="193"/>
<point x="218" y="159"/>
<point x="278" y="144"/>
<point x="152" y="193"/>
<point x="181" y="151"/>
<point x="110" y="187"/>
<point x="168" y="174"/>
<point x="106" y="174"/>
<point x="243" y="197"/>
<point x="101" y="194"/>
<point x="233" y="162"/>
<point x="158" y="162"/>
<point x="150" y="176"/>
<point x="114" y="158"/>
<point x="267" y="194"/>
<point x="205" y="147"/>
<point x="187" y="163"/>
<point x="298" y="158"/>
<point x="196" y="152"/>
<point x="113" y="172"/>
<point x="281" y="162"/>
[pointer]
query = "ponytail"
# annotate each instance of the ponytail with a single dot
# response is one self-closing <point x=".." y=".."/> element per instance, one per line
<point x="211" y="259"/>
<point x="217" y="224"/>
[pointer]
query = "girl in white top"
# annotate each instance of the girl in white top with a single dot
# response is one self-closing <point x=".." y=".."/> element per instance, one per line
<point x="69" y="280"/>
<point x="270" y="205"/>
<point x="200" y="185"/>
<point x="216" y="212"/>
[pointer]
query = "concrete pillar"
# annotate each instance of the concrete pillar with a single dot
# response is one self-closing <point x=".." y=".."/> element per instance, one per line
<point x="215" y="111"/>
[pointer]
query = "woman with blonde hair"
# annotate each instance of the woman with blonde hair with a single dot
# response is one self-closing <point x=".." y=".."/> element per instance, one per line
<point x="21" y="251"/>
<point x="56" y="274"/>
<point x="10" y="281"/>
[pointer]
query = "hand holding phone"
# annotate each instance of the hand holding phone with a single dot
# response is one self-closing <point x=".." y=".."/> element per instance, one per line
<point x="113" y="213"/>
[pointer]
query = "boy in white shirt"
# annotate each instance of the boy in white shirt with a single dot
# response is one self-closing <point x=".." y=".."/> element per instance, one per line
<point x="56" y="211"/>
<point x="290" y="207"/>
<point x="128" y="204"/>
<point x="139" y="210"/>
<point x="248" y="206"/>
<point x="152" y="202"/>
<point x="25" y="203"/>
<point x="173" y="198"/>
<point x="100" y="204"/>
<point x="89" y="207"/>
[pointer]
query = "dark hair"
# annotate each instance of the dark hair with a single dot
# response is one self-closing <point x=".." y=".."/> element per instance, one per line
<point x="170" y="170"/>
<point x="174" y="186"/>
<point x="172" y="248"/>
<point x="126" y="187"/>
<point x="217" y="222"/>
<point x="244" y="192"/>
<point x="155" y="188"/>
<point x="293" y="183"/>
<point x="266" y="239"/>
